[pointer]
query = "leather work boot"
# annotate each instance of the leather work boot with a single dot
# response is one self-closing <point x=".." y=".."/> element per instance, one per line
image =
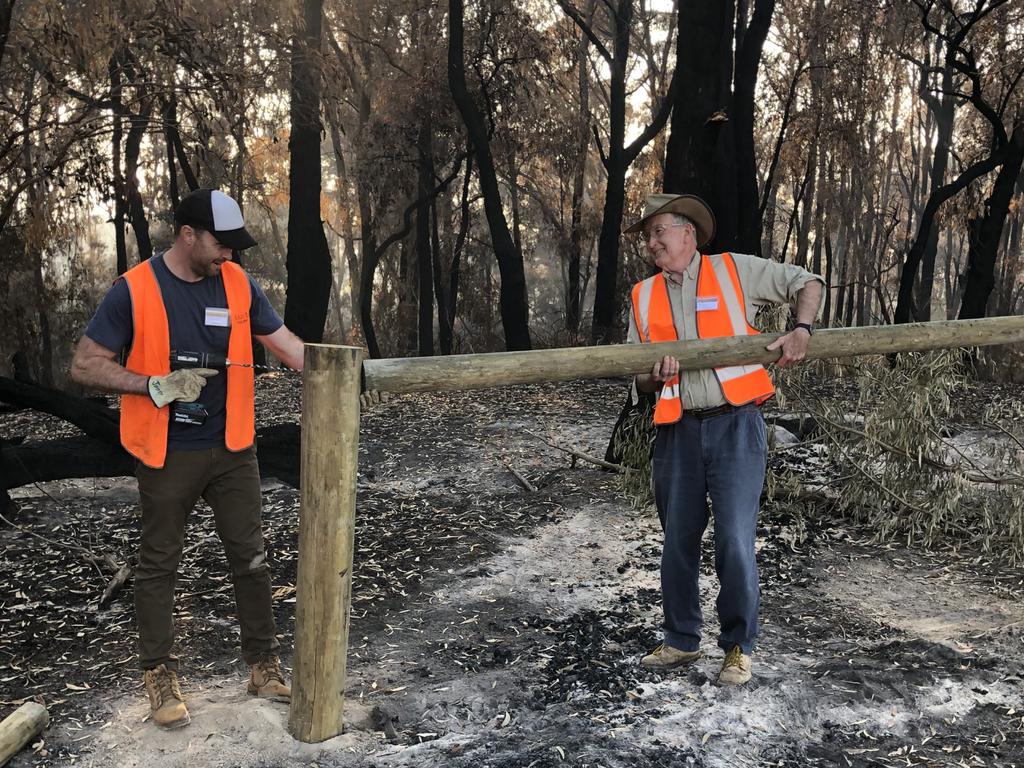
<point x="735" y="668"/>
<point x="267" y="682"/>
<point x="165" y="698"/>
<point x="666" y="658"/>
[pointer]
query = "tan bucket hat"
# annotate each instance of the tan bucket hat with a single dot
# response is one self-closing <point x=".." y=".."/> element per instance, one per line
<point x="690" y="206"/>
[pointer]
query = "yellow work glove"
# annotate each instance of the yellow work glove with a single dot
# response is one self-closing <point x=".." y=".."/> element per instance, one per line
<point x="182" y="385"/>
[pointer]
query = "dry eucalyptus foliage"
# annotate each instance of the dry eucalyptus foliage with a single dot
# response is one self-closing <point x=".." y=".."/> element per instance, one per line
<point x="916" y="459"/>
<point x="634" y="443"/>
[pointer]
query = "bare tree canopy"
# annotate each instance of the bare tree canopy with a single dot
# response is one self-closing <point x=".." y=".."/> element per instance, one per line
<point x="456" y="178"/>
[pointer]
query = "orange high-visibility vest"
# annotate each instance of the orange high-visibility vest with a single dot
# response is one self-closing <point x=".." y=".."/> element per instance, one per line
<point x="143" y="425"/>
<point x="720" y="312"/>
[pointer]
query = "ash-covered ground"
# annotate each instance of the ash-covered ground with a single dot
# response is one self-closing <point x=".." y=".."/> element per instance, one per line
<point x="497" y="626"/>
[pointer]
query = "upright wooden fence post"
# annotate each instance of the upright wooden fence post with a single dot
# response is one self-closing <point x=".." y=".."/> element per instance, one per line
<point x="330" y="440"/>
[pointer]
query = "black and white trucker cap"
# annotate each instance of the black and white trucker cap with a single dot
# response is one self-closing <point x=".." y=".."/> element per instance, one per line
<point x="218" y="214"/>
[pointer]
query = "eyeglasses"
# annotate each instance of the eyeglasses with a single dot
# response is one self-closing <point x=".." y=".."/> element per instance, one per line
<point x="660" y="230"/>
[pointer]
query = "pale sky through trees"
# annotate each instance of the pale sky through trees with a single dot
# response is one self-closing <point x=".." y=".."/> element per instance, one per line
<point x="845" y="141"/>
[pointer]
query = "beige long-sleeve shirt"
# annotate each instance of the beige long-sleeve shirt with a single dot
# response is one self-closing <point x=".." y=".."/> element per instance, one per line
<point x="764" y="282"/>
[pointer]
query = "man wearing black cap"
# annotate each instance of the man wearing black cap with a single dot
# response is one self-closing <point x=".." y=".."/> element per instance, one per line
<point x="192" y="430"/>
<point x="711" y="438"/>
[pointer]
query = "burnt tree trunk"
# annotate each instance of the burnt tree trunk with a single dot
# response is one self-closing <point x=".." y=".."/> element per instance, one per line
<point x="77" y="457"/>
<point x="438" y="269"/>
<point x="514" y="304"/>
<point x="573" y="298"/>
<point x="169" y="116"/>
<point x="6" y="13"/>
<point x="607" y="301"/>
<point x="116" y="88"/>
<point x="451" y="293"/>
<point x="748" y="60"/>
<point x="826" y="312"/>
<point x="943" y="113"/>
<point x="704" y="30"/>
<point x="986" y="233"/>
<point x="351" y="260"/>
<point x="94" y="419"/>
<point x="424" y="254"/>
<point x="35" y="339"/>
<point x="173" y="138"/>
<point x="711" y="144"/>
<point x="370" y="257"/>
<point x="133" y="197"/>
<point x="904" y="312"/>
<point x="309" y="259"/>
<point x="99" y="452"/>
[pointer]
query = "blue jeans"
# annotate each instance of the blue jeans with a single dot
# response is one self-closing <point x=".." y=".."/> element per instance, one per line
<point x="722" y="457"/>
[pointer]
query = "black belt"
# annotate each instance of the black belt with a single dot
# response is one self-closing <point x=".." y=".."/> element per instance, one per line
<point x="718" y="410"/>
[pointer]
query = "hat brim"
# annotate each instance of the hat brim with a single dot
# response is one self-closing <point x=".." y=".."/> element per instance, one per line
<point x="235" y="239"/>
<point x="690" y="206"/>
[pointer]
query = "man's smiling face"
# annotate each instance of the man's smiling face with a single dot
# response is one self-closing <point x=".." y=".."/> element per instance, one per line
<point x="670" y="242"/>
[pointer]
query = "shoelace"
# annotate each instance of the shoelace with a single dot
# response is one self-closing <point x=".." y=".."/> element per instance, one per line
<point x="167" y="686"/>
<point x="734" y="657"/>
<point x="271" y="669"/>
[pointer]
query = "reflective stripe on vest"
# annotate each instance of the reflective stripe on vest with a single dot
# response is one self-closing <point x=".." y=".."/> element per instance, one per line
<point x="144" y="426"/>
<point x="719" y="286"/>
<point x="653" y="315"/>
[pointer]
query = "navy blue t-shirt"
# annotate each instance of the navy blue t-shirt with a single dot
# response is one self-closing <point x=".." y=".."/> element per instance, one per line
<point x="186" y="304"/>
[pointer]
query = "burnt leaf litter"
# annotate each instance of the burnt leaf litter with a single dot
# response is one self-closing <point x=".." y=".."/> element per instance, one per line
<point x="436" y="500"/>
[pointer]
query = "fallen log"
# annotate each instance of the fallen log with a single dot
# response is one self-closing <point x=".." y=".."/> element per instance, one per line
<point x="78" y="457"/>
<point x="95" y="419"/>
<point x="20" y="727"/>
<point x="499" y="369"/>
<point x="37" y="462"/>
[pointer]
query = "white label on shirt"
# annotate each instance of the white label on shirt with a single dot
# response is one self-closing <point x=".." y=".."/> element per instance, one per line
<point x="706" y="303"/>
<point x="218" y="317"/>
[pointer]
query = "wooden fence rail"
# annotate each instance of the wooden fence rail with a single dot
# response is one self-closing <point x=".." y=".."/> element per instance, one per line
<point x="421" y="374"/>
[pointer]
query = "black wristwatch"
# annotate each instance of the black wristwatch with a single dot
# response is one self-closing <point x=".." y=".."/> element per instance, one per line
<point x="805" y="326"/>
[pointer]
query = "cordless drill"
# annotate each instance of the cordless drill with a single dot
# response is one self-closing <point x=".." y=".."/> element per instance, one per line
<point x="180" y="359"/>
<point x="194" y="413"/>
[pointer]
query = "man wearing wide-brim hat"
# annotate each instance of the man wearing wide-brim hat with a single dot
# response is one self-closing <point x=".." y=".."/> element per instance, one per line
<point x="711" y="437"/>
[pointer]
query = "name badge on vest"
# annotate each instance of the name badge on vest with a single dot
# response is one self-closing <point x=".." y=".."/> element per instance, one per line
<point x="218" y="317"/>
<point x="707" y="303"/>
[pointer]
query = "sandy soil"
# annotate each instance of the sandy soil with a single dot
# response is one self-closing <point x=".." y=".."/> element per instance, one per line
<point x="524" y="654"/>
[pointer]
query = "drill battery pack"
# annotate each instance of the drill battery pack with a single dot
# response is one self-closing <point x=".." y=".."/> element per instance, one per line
<point x="188" y="413"/>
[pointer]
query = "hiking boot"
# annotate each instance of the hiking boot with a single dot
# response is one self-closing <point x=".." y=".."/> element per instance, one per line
<point x="666" y="658"/>
<point x="165" y="698"/>
<point x="267" y="682"/>
<point x="735" y="668"/>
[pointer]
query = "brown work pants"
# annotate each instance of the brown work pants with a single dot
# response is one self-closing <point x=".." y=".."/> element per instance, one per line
<point x="230" y="484"/>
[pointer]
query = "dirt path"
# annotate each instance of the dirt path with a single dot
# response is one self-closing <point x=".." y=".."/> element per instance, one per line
<point x="517" y="646"/>
<point x="530" y="659"/>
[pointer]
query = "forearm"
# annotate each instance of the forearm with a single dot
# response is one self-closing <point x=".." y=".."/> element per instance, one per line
<point x="106" y="375"/>
<point x="808" y="299"/>
<point x="285" y="346"/>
